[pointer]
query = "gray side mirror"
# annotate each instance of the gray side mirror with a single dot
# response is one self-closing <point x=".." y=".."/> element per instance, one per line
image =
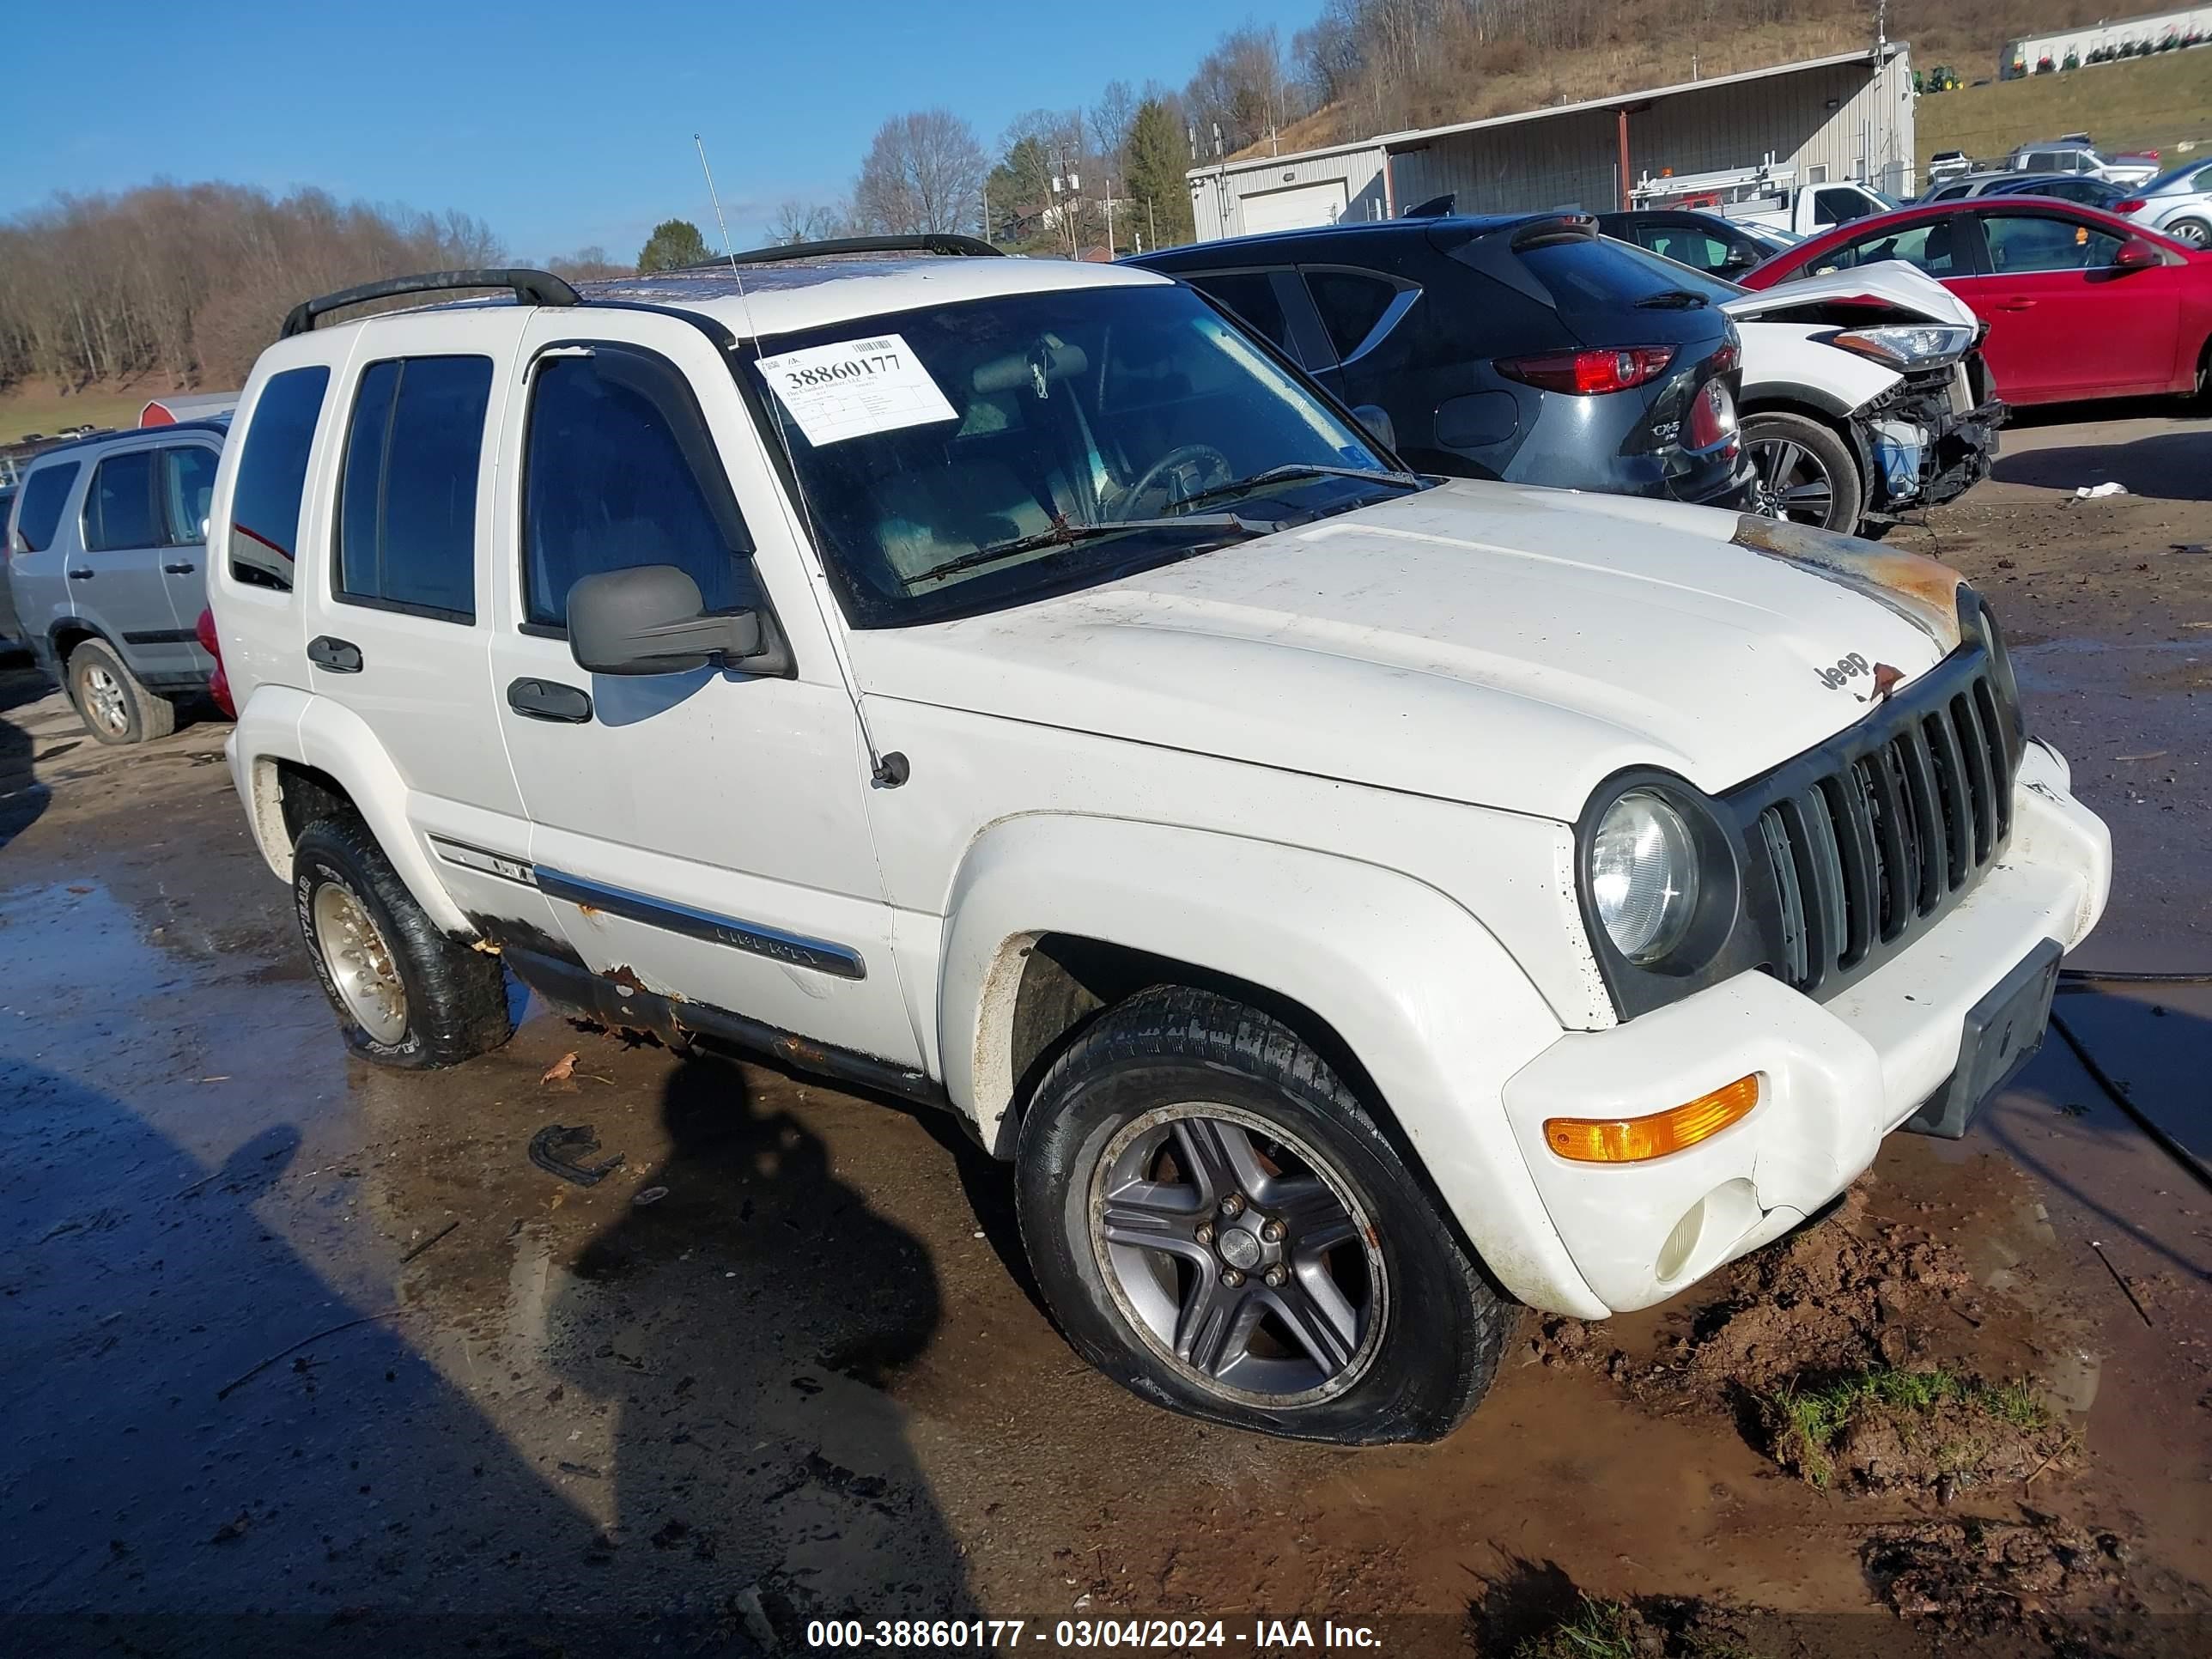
<point x="650" y="620"/>
<point x="1376" y="419"/>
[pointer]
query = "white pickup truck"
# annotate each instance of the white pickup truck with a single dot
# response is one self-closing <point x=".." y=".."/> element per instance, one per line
<point x="1357" y="903"/>
<point x="1763" y="195"/>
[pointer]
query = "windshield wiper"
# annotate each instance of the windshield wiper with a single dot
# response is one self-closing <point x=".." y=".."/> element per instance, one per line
<point x="1066" y="535"/>
<point x="1309" y="470"/>
<point x="1675" y="299"/>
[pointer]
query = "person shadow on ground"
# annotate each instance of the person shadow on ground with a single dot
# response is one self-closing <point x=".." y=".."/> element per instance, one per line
<point x="742" y="1327"/>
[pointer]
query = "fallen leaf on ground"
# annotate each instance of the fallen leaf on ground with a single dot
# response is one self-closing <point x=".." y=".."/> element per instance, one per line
<point x="560" y="1069"/>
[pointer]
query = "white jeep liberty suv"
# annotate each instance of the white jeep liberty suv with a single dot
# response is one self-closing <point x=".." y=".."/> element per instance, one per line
<point x="1355" y="903"/>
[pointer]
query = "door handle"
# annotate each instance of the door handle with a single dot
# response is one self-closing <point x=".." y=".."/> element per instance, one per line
<point x="80" y="576"/>
<point x="2016" y="302"/>
<point x="180" y="569"/>
<point x="550" y="700"/>
<point x="339" y="656"/>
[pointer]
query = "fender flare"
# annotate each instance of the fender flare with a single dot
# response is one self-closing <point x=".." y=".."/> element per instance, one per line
<point x="1432" y="1004"/>
<point x="1795" y="396"/>
<point x="282" y="723"/>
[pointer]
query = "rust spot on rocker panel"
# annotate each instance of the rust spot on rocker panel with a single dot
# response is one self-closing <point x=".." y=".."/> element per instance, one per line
<point x="1919" y="589"/>
<point x="504" y="932"/>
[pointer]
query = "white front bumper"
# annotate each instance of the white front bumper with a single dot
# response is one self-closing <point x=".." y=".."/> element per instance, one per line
<point x="1837" y="1076"/>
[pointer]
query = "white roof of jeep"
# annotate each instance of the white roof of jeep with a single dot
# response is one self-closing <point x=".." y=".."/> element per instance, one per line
<point x="785" y="296"/>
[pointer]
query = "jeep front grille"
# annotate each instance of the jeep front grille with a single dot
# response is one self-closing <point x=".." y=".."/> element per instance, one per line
<point x="1865" y="853"/>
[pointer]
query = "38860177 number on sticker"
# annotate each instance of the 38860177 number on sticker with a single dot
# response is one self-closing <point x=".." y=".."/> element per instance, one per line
<point x="855" y="387"/>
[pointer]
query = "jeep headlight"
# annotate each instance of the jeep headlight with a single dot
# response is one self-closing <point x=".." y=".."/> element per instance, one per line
<point x="1643" y="876"/>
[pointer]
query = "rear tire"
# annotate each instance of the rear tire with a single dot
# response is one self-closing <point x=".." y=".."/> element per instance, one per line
<point x="115" y="707"/>
<point x="2197" y="233"/>
<point x="1806" y="472"/>
<point x="405" y="995"/>
<point x="1353" y="1316"/>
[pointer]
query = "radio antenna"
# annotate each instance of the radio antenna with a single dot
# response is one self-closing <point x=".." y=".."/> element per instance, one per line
<point x="721" y="223"/>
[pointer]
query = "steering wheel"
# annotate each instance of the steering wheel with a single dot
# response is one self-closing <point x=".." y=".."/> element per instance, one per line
<point x="1186" y="470"/>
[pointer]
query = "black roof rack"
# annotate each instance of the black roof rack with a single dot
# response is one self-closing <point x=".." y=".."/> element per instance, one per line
<point x="947" y="243"/>
<point x="531" y="287"/>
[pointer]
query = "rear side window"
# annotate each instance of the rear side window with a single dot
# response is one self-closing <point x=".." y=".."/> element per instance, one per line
<point x="45" y="493"/>
<point x="618" y="471"/>
<point x="187" y="487"/>
<point x="1251" y="294"/>
<point x="1600" y="274"/>
<point x="1349" y="305"/>
<point x="407" y="499"/>
<point x="119" y="509"/>
<point x="272" y="475"/>
<point x="1838" y="207"/>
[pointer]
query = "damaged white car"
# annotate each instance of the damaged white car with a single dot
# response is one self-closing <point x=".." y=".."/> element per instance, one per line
<point x="1355" y="904"/>
<point x="1865" y="397"/>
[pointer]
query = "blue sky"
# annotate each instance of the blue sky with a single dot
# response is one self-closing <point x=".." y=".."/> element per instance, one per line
<point x="561" y="123"/>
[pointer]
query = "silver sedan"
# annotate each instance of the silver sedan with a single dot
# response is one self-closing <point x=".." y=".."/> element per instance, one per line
<point x="2178" y="202"/>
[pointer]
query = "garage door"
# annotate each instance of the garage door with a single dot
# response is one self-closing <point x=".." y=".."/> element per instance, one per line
<point x="1294" y="209"/>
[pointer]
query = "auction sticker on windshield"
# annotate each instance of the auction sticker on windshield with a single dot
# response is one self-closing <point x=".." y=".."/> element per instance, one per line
<point x="855" y="387"/>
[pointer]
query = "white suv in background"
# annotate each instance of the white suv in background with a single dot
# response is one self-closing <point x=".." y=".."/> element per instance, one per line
<point x="1356" y="902"/>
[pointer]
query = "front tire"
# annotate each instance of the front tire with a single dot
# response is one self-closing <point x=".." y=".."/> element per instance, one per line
<point x="1807" y="474"/>
<point x="405" y="995"/>
<point x="115" y="707"/>
<point x="1220" y="1226"/>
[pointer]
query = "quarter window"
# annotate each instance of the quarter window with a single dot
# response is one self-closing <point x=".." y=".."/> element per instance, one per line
<point x="619" y="470"/>
<point x="272" y="475"/>
<point x="187" y="487"/>
<point x="407" y="499"/>
<point x="1349" y="305"/>
<point x="45" y="493"/>
<point x="119" y="509"/>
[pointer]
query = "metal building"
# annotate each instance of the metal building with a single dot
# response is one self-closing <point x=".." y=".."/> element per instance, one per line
<point x="2170" y="29"/>
<point x="1845" y="116"/>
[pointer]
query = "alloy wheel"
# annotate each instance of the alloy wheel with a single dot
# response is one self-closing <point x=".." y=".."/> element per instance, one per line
<point x="104" y="699"/>
<point x="1793" y="484"/>
<point x="1238" y="1255"/>
<point x="359" y="962"/>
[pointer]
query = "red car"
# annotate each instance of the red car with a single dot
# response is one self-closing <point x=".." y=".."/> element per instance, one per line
<point x="2078" y="303"/>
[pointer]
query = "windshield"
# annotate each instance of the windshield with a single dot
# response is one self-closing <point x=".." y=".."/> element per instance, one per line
<point x="975" y="456"/>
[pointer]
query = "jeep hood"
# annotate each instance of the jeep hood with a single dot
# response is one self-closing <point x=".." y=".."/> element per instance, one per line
<point x="1482" y="642"/>
<point x="1903" y="289"/>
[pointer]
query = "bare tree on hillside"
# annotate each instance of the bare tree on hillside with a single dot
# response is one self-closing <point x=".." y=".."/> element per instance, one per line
<point x="187" y="282"/>
<point x="808" y="222"/>
<point x="1110" y="120"/>
<point x="924" y="174"/>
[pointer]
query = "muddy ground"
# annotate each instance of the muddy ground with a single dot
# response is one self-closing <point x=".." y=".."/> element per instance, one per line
<point x="298" y="1354"/>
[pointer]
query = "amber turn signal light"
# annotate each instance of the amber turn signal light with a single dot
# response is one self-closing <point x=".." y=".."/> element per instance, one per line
<point x="1631" y="1139"/>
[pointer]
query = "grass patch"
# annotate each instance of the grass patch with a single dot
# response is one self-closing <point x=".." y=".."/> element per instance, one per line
<point x="1884" y="1426"/>
<point x="37" y="406"/>
<point x="1598" y="1629"/>
<point x="2158" y="101"/>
